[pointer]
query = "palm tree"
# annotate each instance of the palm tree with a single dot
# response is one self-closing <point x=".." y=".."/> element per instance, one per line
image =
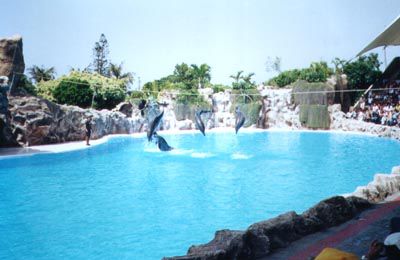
<point x="202" y="74"/>
<point x="41" y="73"/>
<point x="115" y="71"/>
<point x="237" y="77"/>
<point x="247" y="79"/>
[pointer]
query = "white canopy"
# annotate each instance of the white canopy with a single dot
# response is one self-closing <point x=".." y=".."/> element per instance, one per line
<point x="390" y="36"/>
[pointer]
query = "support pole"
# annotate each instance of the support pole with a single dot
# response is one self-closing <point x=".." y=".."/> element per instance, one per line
<point x="384" y="52"/>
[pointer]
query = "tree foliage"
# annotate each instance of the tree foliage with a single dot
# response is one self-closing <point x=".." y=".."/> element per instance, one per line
<point x="73" y="92"/>
<point x="41" y="73"/>
<point x="26" y="84"/>
<point x="116" y="71"/>
<point x="317" y="72"/>
<point x="362" y="72"/>
<point x="244" y="85"/>
<point x="106" y="92"/>
<point x="100" y="56"/>
<point x="185" y="79"/>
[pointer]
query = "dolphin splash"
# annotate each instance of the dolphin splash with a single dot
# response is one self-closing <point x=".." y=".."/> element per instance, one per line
<point x="162" y="144"/>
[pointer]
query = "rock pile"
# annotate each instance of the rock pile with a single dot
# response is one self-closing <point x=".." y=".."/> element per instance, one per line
<point x="262" y="238"/>
<point x="383" y="186"/>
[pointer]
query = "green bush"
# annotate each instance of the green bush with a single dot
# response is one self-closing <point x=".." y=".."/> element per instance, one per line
<point x="285" y="78"/>
<point x="25" y="84"/>
<point x="45" y="89"/>
<point x="108" y="91"/>
<point x="73" y="92"/>
<point x="317" y="72"/>
<point x="108" y="97"/>
<point x="219" y="88"/>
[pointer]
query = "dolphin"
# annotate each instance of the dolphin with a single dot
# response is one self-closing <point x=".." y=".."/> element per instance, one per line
<point x="199" y="122"/>
<point x="154" y="125"/>
<point x="162" y="144"/>
<point x="240" y="119"/>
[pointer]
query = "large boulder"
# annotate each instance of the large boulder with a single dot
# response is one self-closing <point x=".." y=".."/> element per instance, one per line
<point x="332" y="211"/>
<point x="125" y="108"/>
<point x="12" y="62"/>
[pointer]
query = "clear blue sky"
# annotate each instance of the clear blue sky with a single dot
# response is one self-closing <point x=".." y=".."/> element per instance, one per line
<point x="151" y="36"/>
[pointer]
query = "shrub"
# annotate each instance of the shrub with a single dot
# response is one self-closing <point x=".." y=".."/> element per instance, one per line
<point x="285" y="78"/>
<point x="108" y="97"/>
<point x="73" y="92"/>
<point x="361" y="73"/>
<point x="219" y="88"/>
<point x="317" y="72"/>
<point x="25" y="84"/>
<point x="45" y="89"/>
<point x="108" y="91"/>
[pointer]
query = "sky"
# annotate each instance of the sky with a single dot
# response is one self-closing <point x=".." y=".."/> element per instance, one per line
<point x="151" y="36"/>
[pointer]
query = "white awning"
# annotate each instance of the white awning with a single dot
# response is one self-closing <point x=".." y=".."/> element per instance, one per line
<point x="390" y="36"/>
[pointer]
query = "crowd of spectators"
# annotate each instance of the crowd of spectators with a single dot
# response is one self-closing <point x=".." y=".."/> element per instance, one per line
<point x="379" y="107"/>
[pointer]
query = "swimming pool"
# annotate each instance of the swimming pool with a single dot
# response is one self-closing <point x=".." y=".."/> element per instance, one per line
<point x="125" y="199"/>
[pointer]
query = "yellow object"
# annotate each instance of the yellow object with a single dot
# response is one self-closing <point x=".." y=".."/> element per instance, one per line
<point x="335" y="254"/>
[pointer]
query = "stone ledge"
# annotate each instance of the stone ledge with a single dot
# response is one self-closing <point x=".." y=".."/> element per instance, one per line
<point x="262" y="238"/>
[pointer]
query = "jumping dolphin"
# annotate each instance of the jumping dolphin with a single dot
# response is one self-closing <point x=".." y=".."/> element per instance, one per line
<point x="199" y="122"/>
<point x="239" y="119"/>
<point x="162" y="144"/>
<point x="154" y="125"/>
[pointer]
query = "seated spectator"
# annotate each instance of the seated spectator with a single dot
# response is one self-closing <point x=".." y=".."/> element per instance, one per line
<point x="361" y="115"/>
<point x="397" y="108"/>
<point x="384" y="118"/>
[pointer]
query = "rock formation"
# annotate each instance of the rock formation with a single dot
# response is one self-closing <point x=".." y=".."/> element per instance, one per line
<point x="12" y="66"/>
<point x="278" y="110"/>
<point x="12" y="62"/>
<point x="37" y="121"/>
<point x="383" y="186"/>
<point x="125" y="108"/>
<point x="262" y="238"/>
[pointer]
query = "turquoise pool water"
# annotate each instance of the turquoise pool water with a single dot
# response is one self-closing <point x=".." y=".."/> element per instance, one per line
<point x="126" y="200"/>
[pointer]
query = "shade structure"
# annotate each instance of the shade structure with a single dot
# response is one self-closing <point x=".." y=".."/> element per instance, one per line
<point x="390" y="36"/>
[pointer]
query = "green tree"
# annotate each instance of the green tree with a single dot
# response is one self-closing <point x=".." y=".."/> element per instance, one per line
<point x="202" y="74"/>
<point x="116" y="71"/>
<point x="236" y="77"/>
<point x="41" y="73"/>
<point x="100" y="53"/>
<point x="244" y="86"/>
<point x="183" y="73"/>
<point x="362" y="72"/>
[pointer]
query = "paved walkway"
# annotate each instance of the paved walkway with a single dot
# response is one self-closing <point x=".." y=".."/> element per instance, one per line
<point x="354" y="236"/>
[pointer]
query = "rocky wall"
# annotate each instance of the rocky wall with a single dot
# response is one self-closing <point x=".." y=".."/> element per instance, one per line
<point x="262" y="238"/>
<point x="12" y="62"/>
<point x="37" y="121"/>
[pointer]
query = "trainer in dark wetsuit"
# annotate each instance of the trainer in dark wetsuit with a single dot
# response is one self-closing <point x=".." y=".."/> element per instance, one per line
<point x="88" y="129"/>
